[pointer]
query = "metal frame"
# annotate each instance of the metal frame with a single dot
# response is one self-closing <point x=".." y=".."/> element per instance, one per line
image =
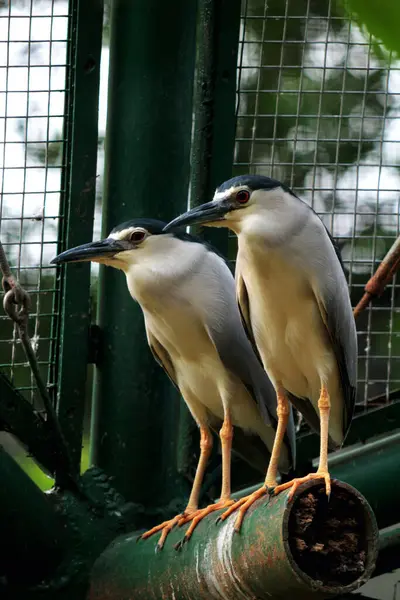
<point x="214" y="127"/>
<point x="79" y="185"/>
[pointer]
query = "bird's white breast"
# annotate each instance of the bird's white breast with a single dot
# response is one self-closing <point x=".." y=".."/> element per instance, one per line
<point x="286" y="320"/>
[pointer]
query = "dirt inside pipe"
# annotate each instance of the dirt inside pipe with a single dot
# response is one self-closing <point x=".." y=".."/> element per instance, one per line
<point x="328" y="539"/>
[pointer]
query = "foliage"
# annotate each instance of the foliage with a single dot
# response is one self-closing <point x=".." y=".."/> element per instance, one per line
<point x="381" y="19"/>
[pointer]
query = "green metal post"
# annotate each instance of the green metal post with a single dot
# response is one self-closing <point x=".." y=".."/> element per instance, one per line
<point x="152" y="55"/>
<point x="354" y="466"/>
<point x="305" y="549"/>
<point x="374" y="422"/>
<point x="389" y="550"/>
<point x="79" y="183"/>
<point x="215" y="103"/>
<point x="32" y="536"/>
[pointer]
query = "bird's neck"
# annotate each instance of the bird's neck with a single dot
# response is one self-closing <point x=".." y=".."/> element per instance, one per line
<point x="155" y="278"/>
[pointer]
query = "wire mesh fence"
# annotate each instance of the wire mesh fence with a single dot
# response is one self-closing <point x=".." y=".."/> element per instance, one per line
<point x="33" y="66"/>
<point x="319" y="109"/>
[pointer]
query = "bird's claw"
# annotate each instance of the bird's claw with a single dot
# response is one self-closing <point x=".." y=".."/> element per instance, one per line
<point x="242" y="505"/>
<point x="179" y="545"/>
<point x="294" y="484"/>
<point x="165" y="528"/>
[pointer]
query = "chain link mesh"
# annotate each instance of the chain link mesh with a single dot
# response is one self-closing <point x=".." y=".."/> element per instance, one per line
<point x="33" y="56"/>
<point x="319" y="109"/>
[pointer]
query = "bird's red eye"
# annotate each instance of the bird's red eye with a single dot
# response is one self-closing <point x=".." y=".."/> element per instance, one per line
<point x="137" y="236"/>
<point x="243" y="196"/>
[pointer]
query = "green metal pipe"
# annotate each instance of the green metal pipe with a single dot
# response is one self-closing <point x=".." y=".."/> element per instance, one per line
<point x="77" y="207"/>
<point x="364" y="427"/>
<point x="371" y="468"/>
<point x="215" y="103"/>
<point x="389" y="550"/>
<point x="308" y="548"/>
<point x="152" y="56"/>
<point x="32" y="536"/>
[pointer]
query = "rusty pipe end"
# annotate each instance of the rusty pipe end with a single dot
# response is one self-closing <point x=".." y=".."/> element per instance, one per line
<point x="332" y="546"/>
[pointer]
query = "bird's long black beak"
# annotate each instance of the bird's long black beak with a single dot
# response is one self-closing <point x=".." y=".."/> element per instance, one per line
<point x="92" y="251"/>
<point x="206" y="213"/>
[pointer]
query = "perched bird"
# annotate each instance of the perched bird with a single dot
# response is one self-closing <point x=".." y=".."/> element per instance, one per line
<point x="194" y="329"/>
<point x="294" y="299"/>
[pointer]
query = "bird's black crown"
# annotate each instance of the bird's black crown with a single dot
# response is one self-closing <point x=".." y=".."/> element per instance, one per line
<point x="253" y="182"/>
<point x="153" y="226"/>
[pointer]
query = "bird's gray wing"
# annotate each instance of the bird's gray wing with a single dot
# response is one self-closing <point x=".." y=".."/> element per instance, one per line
<point x="244" y="308"/>
<point x="162" y="357"/>
<point x="337" y="316"/>
<point x="316" y="248"/>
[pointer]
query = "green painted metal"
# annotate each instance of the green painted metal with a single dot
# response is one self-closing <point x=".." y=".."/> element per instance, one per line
<point x="261" y="562"/>
<point x="215" y="103"/>
<point x="56" y="537"/>
<point x="389" y="550"/>
<point x="32" y="536"/>
<point x="375" y="422"/>
<point x="136" y="409"/>
<point x="371" y="468"/>
<point x="77" y="206"/>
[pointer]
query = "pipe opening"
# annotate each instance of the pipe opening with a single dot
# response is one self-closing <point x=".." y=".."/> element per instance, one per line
<point x="330" y="540"/>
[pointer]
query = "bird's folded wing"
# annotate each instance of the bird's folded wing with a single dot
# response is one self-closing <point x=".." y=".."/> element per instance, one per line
<point x="162" y="357"/>
<point x="244" y="308"/>
<point x="338" y="319"/>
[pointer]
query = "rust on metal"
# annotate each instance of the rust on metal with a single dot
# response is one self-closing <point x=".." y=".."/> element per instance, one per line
<point x="383" y="275"/>
<point x="309" y="548"/>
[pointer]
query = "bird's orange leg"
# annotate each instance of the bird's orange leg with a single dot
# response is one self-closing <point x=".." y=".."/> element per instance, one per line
<point x="270" y="481"/>
<point x="226" y="435"/>
<point x="206" y="443"/>
<point x="324" y="406"/>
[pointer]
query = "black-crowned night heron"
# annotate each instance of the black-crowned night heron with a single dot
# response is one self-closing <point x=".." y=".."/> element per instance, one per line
<point x="194" y="329"/>
<point x="293" y="295"/>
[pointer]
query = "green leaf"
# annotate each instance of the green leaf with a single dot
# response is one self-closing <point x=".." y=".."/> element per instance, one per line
<point x="381" y="19"/>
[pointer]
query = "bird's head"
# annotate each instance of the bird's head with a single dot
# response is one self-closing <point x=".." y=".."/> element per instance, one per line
<point x="238" y="202"/>
<point x="127" y="244"/>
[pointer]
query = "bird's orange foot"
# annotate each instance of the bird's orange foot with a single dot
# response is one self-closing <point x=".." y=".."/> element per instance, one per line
<point x="198" y="516"/>
<point x="243" y="506"/>
<point x="295" y="483"/>
<point x="167" y="526"/>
